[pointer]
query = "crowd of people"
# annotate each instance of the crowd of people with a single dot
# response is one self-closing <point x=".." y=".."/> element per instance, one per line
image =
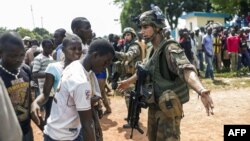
<point x="62" y="84"/>
<point x="225" y="49"/>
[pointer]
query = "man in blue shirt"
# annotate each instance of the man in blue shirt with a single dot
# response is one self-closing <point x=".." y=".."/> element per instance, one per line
<point x="207" y="42"/>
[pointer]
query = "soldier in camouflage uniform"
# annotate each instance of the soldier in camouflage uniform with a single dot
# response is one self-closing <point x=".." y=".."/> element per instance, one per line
<point x="131" y="52"/>
<point x="130" y="55"/>
<point x="170" y="73"/>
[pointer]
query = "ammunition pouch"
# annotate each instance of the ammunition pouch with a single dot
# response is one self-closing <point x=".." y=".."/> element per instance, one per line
<point x="148" y="93"/>
<point x="129" y="68"/>
<point x="170" y="104"/>
<point x="148" y="90"/>
<point x="117" y="67"/>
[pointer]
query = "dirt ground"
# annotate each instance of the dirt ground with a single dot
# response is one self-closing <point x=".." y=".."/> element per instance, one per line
<point x="231" y="107"/>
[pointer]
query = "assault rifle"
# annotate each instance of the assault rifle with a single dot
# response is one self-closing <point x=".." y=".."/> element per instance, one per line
<point x="114" y="79"/>
<point x="116" y="74"/>
<point x="137" y="101"/>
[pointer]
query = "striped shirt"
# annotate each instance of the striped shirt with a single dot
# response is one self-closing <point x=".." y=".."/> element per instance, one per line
<point x="40" y="64"/>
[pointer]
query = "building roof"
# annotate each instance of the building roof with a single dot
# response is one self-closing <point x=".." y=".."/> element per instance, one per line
<point x="204" y="14"/>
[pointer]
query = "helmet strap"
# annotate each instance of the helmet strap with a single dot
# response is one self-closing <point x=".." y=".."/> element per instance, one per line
<point x="152" y="37"/>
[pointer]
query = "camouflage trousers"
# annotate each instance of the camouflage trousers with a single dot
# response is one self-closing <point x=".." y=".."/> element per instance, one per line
<point x="161" y="128"/>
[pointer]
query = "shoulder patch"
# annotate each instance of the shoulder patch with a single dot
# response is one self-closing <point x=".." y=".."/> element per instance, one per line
<point x="175" y="48"/>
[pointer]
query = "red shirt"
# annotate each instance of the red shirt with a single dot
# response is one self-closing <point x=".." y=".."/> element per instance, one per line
<point x="233" y="44"/>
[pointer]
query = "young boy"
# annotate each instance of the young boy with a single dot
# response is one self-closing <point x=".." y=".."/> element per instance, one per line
<point x="40" y="64"/>
<point x="16" y="77"/>
<point x="71" y="107"/>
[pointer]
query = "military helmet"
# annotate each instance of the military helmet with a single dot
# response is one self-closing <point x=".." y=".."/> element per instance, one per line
<point x="150" y="17"/>
<point x="130" y="30"/>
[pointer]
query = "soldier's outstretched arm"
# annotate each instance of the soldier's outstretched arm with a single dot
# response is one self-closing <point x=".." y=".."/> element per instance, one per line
<point x="193" y="81"/>
<point x="124" y="84"/>
<point x="133" y="52"/>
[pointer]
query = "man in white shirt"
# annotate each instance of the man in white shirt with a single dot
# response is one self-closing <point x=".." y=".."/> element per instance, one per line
<point x="71" y="107"/>
<point x="82" y="28"/>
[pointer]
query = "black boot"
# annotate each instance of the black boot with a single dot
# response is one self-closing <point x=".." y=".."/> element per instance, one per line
<point x="126" y="126"/>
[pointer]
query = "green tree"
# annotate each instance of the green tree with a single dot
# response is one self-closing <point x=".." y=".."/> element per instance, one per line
<point x="172" y="9"/>
<point x="2" y="30"/>
<point x="25" y="32"/>
<point x="41" y="33"/>
<point x="197" y="5"/>
<point x="119" y="2"/>
<point x="130" y="10"/>
<point x="37" y="36"/>
<point x="36" y="33"/>
<point x="241" y="7"/>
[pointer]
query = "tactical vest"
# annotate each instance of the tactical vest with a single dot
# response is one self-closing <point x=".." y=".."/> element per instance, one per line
<point x="162" y="78"/>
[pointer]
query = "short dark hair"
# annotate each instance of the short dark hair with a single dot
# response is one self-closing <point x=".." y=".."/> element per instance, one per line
<point x="101" y="46"/>
<point x="69" y="38"/>
<point x="10" y="39"/>
<point x="46" y="41"/>
<point x="37" y="52"/>
<point x="34" y="42"/>
<point x="77" y="22"/>
<point x="61" y="31"/>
